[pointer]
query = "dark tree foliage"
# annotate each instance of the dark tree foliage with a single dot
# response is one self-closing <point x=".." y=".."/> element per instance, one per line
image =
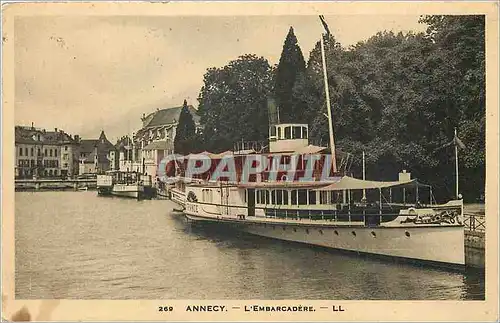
<point x="398" y="97"/>
<point x="185" y="141"/>
<point x="233" y="103"/>
<point x="290" y="67"/>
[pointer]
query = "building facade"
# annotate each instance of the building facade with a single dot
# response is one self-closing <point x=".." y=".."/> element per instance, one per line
<point x="97" y="155"/>
<point x="41" y="153"/>
<point x="153" y="141"/>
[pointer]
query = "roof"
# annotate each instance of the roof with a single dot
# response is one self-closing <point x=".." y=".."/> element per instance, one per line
<point x="284" y="184"/>
<point x="159" y="145"/>
<point x="102" y="144"/>
<point x="351" y="183"/>
<point x="311" y="149"/>
<point x="168" y="116"/>
<point x="25" y="135"/>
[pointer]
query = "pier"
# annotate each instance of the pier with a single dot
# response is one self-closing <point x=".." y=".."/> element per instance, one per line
<point x="474" y="221"/>
<point x="54" y="184"/>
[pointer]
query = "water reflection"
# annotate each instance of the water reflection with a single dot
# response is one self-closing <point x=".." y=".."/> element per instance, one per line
<point x="76" y="245"/>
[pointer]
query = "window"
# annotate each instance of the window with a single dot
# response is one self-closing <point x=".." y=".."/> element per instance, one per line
<point x="32" y="163"/>
<point x="288" y="132"/>
<point x="65" y="165"/>
<point x="31" y="154"/>
<point x="55" y="152"/>
<point x="267" y="197"/>
<point x="272" y="131"/>
<point x="302" y="197"/>
<point x="258" y="196"/>
<point x="304" y="132"/>
<point x="297" y="133"/>
<point x="50" y="152"/>
<point x="279" y="133"/>
<point x="294" y="197"/>
<point x="45" y="152"/>
<point x="66" y="147"/>
<point x="20" y="151"/>
<point x="285" y="197"/>
<point x="26" y="151"/>
<point x="312" y="197"/>
<point x="273" y="197"/>
<point x="279" y="197"/>
<point x="323" y="197"/>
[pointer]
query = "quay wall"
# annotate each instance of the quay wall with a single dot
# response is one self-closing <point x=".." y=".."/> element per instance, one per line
<point x="54" y="184"/>
<point x="474" y="248"/>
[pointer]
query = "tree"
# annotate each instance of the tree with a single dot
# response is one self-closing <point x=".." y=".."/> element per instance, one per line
<point x="233" y="102"/>
<point x="185" y="134"/>
<point x="291" y="66"/>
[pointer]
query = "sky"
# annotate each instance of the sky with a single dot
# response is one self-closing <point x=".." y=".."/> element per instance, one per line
<point x="85" y="74"/>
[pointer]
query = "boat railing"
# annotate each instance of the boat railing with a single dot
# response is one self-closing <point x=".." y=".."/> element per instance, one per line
<point x="474" y="222"/>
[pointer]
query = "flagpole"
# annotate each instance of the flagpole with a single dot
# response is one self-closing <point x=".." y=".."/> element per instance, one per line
<point x="364" y="178"/>
<point x="328" y="107"/>
<point x="456" y="164"/>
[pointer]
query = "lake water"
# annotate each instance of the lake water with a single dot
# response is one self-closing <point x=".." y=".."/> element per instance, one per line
<point x="76" y="245"/>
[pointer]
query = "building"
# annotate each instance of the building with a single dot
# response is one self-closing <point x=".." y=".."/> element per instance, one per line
<point x="154" y="140"/>
<point x="41" y="153"/>
<point x="97" y="155"/>
<point x="128" y="155"/>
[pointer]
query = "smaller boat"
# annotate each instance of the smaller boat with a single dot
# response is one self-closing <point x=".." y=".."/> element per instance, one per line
<point x="83" y="188"/>
<point x="125" y="184"/>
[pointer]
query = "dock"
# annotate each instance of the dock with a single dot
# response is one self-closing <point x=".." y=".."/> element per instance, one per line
<point x="475" y="228"/>
<point x="54" y="184"/>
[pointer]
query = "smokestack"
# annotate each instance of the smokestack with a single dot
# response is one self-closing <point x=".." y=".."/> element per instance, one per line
<point x="32" y="125"/>
<point x="55" y="129"/>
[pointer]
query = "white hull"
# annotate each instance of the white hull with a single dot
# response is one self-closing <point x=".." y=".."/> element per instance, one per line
<point x="440" y="244"/>
<point x="133" y="191"/>
<point x="178" y="196"/>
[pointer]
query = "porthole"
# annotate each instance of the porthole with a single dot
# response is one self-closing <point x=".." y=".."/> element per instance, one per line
<point x="320" y="231"/>
<point x="336" y="232"/>
<point x="407" y="233"/>
<point x="353" y="233"/>
<point x="374" y="234"/>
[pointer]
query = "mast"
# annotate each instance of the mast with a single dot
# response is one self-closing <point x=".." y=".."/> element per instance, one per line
<point x="364" y="177"/>
<point x="327" y="94"/>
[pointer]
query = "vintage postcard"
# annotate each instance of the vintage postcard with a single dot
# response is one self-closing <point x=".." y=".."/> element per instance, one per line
<point x="250" y="161"/>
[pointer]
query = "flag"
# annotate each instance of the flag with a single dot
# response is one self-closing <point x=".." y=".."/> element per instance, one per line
<point x="458" y="142"/>
<point x="322" y="18"/>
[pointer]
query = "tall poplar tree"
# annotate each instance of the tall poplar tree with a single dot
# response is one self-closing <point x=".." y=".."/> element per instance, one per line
<point x="290" y="67"/>
<point x="184" y="142"/>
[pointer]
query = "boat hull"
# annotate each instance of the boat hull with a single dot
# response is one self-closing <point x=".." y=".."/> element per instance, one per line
<point x="440" y="245"/>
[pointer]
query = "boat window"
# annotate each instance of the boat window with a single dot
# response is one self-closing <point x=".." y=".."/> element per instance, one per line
<point x="293" y="195"/>
<point x="285" y="197"/>
<point x="279" y="133"/>
<point x="263" y="197"/>
<point x="257" y="192"/>
<point x="279" y="197"/>
<point x="246" y="194"/>
<point x="312" y="197"/>
<point x="288" y="132"/>
<point x="297" y="133"/>
<point x="267" y="197"/>
<point x="273" y="197"/>
<point x="302" y="197"/>
<point x="323" y="197"/>
<point x="272" y="131"/>
<point x="304" y="132"/>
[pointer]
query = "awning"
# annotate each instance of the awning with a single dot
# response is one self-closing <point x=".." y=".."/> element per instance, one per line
<point x="351" y="183"/>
